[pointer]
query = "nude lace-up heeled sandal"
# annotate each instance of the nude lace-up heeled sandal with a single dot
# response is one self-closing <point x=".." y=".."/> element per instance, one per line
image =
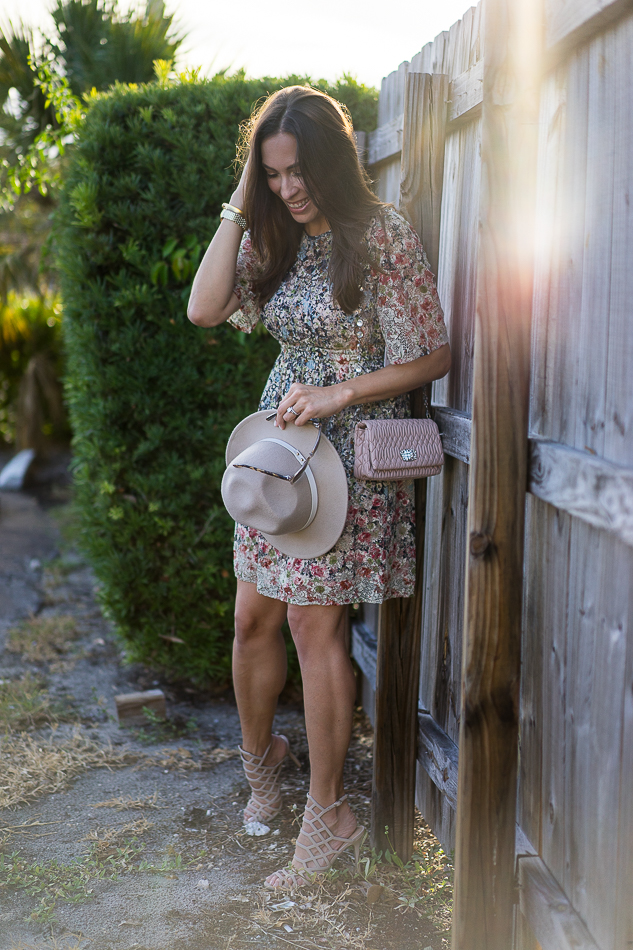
<point x="322" y="850"/>
<point x="265" y="800"/>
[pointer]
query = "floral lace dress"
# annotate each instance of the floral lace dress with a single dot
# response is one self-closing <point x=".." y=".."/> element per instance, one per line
<point x="400" y="317"/>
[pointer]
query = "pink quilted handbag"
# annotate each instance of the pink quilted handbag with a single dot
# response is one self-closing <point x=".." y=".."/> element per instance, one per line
<point x="388" y="449"/>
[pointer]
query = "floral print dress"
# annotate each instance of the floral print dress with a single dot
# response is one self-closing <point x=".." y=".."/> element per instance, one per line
<point x="399" y="319"/>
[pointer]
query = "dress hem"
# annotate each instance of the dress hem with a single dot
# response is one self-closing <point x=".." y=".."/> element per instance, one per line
<point x="347" y="598"/>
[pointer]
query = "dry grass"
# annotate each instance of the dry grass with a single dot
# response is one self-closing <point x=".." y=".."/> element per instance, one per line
<point x="123" y="804"/>
<point x="182" y="760"/>
<point x="105" y="839"/>
<point x="31" y="766"/>
<point x="24" y="703"/>
<point x="43" y="639"/>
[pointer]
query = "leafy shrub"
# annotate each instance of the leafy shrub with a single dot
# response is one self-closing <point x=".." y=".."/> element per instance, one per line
<point x="30" y="339"/>
<point x="152" y="398"/>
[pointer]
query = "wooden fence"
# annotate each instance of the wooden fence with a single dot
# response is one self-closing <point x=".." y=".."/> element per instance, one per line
<point x="507" y="142"/>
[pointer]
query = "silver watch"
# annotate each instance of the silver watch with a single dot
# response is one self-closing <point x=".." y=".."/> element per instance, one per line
<point x="231" y="214"/>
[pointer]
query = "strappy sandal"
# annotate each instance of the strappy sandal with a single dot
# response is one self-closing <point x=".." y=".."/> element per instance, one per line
<point x="265" y="800"/>
<point x="321" y="853"/>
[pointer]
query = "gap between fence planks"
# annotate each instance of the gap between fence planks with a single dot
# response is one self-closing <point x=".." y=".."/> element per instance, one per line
<point x="486" y="808"/>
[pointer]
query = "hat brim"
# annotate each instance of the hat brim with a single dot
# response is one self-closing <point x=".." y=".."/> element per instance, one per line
<point x="323" y="533"/>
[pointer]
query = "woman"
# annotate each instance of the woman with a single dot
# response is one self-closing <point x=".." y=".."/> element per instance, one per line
<point x="341" y="280"/>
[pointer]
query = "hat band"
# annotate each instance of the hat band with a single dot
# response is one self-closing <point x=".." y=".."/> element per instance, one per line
<point x="314" y="495"/>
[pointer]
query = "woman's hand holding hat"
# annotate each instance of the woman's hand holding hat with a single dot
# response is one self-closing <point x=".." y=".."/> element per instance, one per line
<point x="303" y="403"/>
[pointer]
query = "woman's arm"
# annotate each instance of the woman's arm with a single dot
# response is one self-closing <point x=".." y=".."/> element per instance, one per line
<point x="212" y="300"/>
<point x="316" y="402"/>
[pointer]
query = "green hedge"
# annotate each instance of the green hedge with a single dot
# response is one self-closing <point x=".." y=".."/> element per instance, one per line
<point x="152" y="398"/>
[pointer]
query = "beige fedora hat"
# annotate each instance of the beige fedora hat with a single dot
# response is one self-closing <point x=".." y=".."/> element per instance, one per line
<point x="303" y="514"/>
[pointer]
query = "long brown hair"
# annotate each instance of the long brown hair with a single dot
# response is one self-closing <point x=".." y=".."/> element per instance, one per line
<point x="333" y="178"/>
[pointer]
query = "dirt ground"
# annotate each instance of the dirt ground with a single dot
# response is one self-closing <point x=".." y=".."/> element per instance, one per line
<point x="131" y="839"/>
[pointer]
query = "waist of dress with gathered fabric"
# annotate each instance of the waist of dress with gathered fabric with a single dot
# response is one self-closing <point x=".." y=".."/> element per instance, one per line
<point x="359" y="353"/>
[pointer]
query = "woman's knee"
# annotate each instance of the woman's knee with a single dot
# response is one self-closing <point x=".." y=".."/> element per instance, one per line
<point x="257" y="617"/>
<point x="315" y="631"/>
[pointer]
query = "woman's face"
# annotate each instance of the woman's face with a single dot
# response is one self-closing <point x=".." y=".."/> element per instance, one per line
<point x="279" y="158"/>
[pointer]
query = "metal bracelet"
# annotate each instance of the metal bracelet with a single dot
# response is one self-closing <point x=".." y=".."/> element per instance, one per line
<point x="231" y="215"/>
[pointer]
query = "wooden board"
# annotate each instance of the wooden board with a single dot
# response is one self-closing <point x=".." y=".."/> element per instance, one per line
<point x="571" y="22"/>
<point x="422" y="162"/>
<point x="386" y="141"/>
<point x="597" y="491"/>
<point x="438" y="756"/>
<point x="554" y="921"/>
<point x="466" y="93"/>
<point x="618" y="436"/>
<point x="455" y="428"/>
<point x="457" y="267"/>
<point x="440" y="669"/>
<point x="486" y="814"/>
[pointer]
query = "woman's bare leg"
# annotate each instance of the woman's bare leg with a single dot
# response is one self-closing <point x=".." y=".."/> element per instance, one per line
<point x="329" y="689"/>
<point x="259" y="667"/>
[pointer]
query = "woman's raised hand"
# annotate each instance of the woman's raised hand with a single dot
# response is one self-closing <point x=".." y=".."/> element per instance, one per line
<point x="239" y="195"/>
<point x="309" y="402"/>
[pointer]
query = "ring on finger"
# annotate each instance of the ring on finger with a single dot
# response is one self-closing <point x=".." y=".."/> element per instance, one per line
<point x="292" y="410"/>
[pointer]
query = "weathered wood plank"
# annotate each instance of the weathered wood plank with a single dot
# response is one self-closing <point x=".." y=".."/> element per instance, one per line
<point x="457" y="268"/>
<point x="422" y="162"/>
<point x="440" y="675"/>
<point x="593" y="320"/>
<point x="618" y="436"/>
<point x="466" y="93"/>
<point x="386" y="141"/>
<point x="601" y="573"/>
<point x="554" y="921"/>
<point x="397" y="682"/>
<point x="486" y="814"/>
<point x="590" y="488"/>
<point x="545" y="676"/>
<point x="571" y="22"/>
<point x="623" y="930"/>
<point x="455" y="428"/>
<point x="130" y="707"/>
<point x="549" y="324"/>
<point x="438" y="756"/>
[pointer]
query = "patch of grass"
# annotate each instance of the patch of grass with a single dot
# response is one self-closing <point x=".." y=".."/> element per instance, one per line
<point x="164" y="730"/>
<point x="104" y="840"/>
<point x="43" y="639"/>
<point x="33" y="766"/>
<point x="24" y="703"/>
<point x="53" y="882"/>
<point x="59" y="568"/>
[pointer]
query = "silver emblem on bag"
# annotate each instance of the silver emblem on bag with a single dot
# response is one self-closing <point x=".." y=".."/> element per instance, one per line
<point x="408" y="455"/>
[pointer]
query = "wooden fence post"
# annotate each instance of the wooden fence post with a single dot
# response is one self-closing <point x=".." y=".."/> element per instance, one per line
<point x="488" y="747"/>
<point x="398" y="651"/>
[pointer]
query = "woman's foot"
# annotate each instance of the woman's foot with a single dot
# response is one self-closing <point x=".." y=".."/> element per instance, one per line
<point x="262" y="774"/>
<point x="325" y="833"/>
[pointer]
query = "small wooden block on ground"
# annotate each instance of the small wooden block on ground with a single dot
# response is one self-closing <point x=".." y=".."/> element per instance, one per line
<point x="130" y="706"/>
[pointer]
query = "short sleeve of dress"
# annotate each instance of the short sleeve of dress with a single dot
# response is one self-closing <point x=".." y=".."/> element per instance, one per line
<point x="247" y="317"/>
<point x="407" y="303"/>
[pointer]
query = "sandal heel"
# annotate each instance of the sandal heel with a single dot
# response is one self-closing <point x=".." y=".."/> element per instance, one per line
<point x="321" y="853"/>
<point x="357" y="846"/>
